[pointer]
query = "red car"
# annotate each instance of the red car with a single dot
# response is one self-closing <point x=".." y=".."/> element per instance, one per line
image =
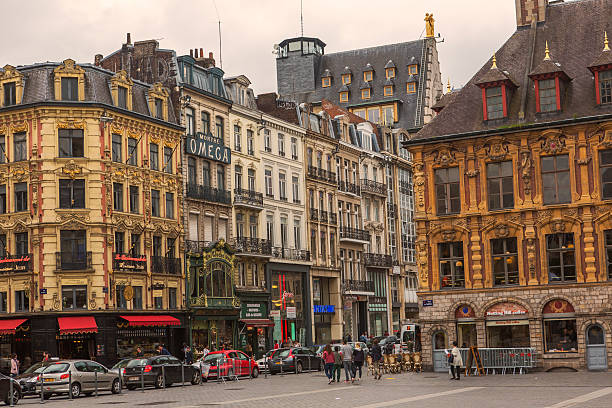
<point x="231" y="362"/>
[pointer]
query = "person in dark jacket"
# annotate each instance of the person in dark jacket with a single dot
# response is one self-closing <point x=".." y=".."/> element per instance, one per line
<point x="163" y="351"/>
<point x="376" y="353"/>
<point x="188" y="355"/>
<point x="358" y="358"/>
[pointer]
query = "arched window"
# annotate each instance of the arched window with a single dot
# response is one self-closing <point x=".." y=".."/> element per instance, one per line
<point x="559" y="323"/>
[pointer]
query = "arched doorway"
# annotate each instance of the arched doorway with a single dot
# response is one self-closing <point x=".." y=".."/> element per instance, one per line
<point x="439" y="342"/>
<point x="596" y="355"/>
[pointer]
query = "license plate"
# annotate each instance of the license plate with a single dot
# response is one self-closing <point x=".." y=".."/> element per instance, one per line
<point x="133" y="379"/>
<point x="49" y="379"/>
<point x="278" y="363"/>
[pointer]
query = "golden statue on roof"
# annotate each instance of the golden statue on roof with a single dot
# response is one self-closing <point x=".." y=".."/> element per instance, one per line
<point x="429" y="25"/>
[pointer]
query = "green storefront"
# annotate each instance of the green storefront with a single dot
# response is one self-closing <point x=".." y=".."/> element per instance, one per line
<point x="215" y="308"/>
<point x="254" y="323"/>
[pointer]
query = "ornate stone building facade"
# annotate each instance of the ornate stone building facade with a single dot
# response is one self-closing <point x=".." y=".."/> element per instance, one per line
<point x="512" y="198"/>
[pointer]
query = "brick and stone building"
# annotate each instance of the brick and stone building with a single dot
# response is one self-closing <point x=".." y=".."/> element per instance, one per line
<point x="512" y="196"/>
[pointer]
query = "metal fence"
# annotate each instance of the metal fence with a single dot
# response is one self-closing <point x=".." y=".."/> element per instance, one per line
<point x="502" y="360"/>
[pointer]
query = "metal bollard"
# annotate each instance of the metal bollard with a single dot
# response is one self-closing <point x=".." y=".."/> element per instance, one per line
<point x="120" y="381"/>
<point x="309" y="364"/>
<point x="142" y="378"/>
<point x="42" y="393"/>
<point x="11" y="391"/>
<point x="96" y="381"/>
<point x="267" y="367"/>
<point x="281" y="364"/>
<point x="182" y="375"/>
<point x="163" y="377"/>
<point x="201" y="374"/>
<point x="70" y="384"/>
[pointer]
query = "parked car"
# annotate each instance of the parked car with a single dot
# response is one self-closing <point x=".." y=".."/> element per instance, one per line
<point x="28" y="379"/>
<point x="5" y="390"/>
<point x="262" y="363"/>
<point x="153" y="374"/>
<point x="318" y="349"/>
<point x="56" y="378"/>
<point x="295" y="359"/>
<point x="231" y="362"/>
<point x="119" y="368"/>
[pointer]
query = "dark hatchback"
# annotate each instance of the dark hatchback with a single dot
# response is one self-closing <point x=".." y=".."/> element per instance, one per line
<point x="27" y="380"/>
<point x="5" y="390"/>
<point x="294" y="360"/>
<point x="153" y="370"/>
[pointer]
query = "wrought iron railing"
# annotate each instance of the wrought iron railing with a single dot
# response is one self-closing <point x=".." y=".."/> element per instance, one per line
<point x="196" y="247"/>
<point x="208" y="193"/>
<point x="349" y="187"/>
<point x="248" y="197"/>
<point x="354" y="233"/>
<point x="380" y="260"/>
<point x="291" y="254"/>
<point x="256" y="246"/>
<point x="314" y="214"/>
<point x="374" y="187"/>
<point x="164" y="264"/>
<point x="72" y="261"/>
<point x="321" y="174"/>
<point x="333" y="218"/>
<point x="323" y="216"/>
<point x="349" y="285"/>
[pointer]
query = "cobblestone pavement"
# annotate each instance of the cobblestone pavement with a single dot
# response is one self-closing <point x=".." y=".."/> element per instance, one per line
<point x="537" y="390"/>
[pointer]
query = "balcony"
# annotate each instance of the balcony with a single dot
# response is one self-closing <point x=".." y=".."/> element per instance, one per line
<point x="125" y="262"/>
<point x="377" y="260"/>
<point x="252" y="246"/>
<point x="291" y="254"/>
<point x="358" y="287"/>
<point x="323" y="216"/>
<point x="163" y="264"/>
<point x="208" y="193"/>
<point x="333" y="218"/>
<point x="70" y="261"/>
<point x="196" y="247"/>
<point x="15" y="263"/>
<point x="314" y="214"/>
<point x="349" y="188"/>
<point x="321" y="174"/>
<point x="354" y="234"/>
<point x="248" y="198"/>
<point x="373" y="187"/>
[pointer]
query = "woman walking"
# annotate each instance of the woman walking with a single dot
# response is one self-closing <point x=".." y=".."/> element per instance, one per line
<point x="14" y="366"/>
<point x="358" y="358"/>
<point x="329" y="359"/>
<point x="376" y="357"/>
<point x="455" y="361"/>
<point x="337" y="364"/>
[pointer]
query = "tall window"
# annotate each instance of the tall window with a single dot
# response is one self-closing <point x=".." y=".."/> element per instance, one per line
<point x="608" y="244"/>
<point x="116" y="153"/>
<point x="122" y="97"/>
<point x="3" y="156"/>
<point x="251" y="179"/>
<point x="294" y="148"/>
<point x="71" y="193"/>
<point x="267" y="140"/>
<point x="154" y="156"/>
<point x="556" y="179"/>
<point x="605" y="171"/>
<point x="205" y="122"/>
<point x="495" y="103"/>
<point x="219" y="127"/>
<point x="253" y="226"/>
<point x="132" y="151"/>
<point x="605" y="87"/>
<point x="10" y="95"/>
<point x="71" y="143"/>
<point x="220" y="177"/>
<point x="237" y="138"/>
<point x="505" y="261"/>
<point x="281" y="144"/>
<point x="171" y="298"/>
<point x="239" y="225"/>
<point x="548" y="95"/>
<point x="117" y="196"/>
<point x="74" y="297"/>
<point x="206" y="174"/>
<point x="135" y="244"/>
<point x="447" y="190"/>
<point x="270" y="228"/>
<point x="21" y="197"/>
<point x="268" y="180"/>
<point x="452" y="273"/>
<point x="561" y="259"/>
<point x="168" y="159"/>
<point x="242" y="274"/>
<point x="157" y="245"/>
<point x="3" y="209"/>
<point x="170" y="205"/>
<point x="134" y="200"/>
<point x="159" y="108"/>
<point x="119" y="242"/>
<point x="137" y="299"/>
<point x="499" y="182"/>
<point x="284" y="232"/>
<point x="238" y="177"/>
<point x="191" y="170"/>
<point x="155" y="203"/>
<point x="70" y="89"/>
<point x="189" y="121"/>
<point x="120" y="295"/>
<point x="297" y="234"/>
<point x="21" y="243"/>
<point x="295" y="185"/>
<point x="250" y="142"/>
<point x="282" y="186"/>
<point x="19" y="146"/>
<point x="73" y="249"/>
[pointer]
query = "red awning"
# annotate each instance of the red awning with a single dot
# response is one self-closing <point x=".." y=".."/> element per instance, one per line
<point x="153" y="320"/>
<point x="8" y="326"/>
<point x="77" y="324"/>
<point x="258" y="322"/>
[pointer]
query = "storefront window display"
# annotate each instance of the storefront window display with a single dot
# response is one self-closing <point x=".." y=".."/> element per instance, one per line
<point x="559" y="327"/>
<point x="214" y="334"/>
<point x="466" y="326"/>
<point x="128" y="339"/>
<point x="507" y="326"/>
<point x="79" y="345"/>
<point x="288" y="300"/>
<point x="323" y="310"/>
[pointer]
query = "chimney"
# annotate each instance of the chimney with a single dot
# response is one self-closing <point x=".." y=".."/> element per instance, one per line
<point x="210" y="55"/>
<point x="129" y="39"/>
<point x="203" y="61"/>
<point x="526" y="10"/>
<point x="98" y="59"/>
<point x="191" y="53"/>
<point x="201" y="53"/>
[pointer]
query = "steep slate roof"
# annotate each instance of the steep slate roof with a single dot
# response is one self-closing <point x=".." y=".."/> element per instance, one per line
<point x="402" y="55"/>
<point x="39" y="87"/>
<point x="445" y="100"/>
<point x="574" y="32"/>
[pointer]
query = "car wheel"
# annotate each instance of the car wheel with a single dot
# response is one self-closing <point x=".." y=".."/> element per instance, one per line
<point x="76" y="390"/>
<point x="298" y="367"/>
<point x="47" y="395"/>
<point x="159" y="381"/>
<point x="131" y="387"/>
<point x="14" y="399"/>
<point x="255" y="372"/>
<point x="116" y="387"/>
<point x="195" y="380"/>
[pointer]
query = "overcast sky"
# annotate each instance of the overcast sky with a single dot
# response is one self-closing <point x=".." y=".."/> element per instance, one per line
<point x="55" y="30"/>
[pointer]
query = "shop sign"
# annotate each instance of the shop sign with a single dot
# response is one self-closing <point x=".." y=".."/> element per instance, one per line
<point x="126" y="262"/>
<point x="507" y="322"/>
<point x="291" y="312"/>
<point x="208" y="147"/>
<point x="275" y="314"/>
<point x="506" y="309"/>
<point x="287" y="295"/>
<point x="427" y="302"/>
<point x="324" y="308"/>
<point x="16" y="263"/>
<point x="396" y="270"/>
<point x="253" y="310"/>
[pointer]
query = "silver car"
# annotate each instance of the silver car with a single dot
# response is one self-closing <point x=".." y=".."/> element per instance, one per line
<point x="80" y="376"/>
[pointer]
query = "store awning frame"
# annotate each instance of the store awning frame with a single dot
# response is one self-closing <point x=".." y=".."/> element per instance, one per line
<point x="151" y="320"/>
<point x="77" y="324"/>
<point x="258" y="322"/>
<point x="8" y="326"/>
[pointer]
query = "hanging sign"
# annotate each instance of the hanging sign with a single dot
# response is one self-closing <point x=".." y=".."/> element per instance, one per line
<point x="291" y="312"/>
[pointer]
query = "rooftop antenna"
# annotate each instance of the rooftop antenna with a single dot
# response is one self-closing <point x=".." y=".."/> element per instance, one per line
<point x="219" y="20"/>
<point x="302" y="16"/>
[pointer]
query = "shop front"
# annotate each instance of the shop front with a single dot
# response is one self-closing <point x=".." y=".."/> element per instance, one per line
<point x="147" y="332"/>
<point x="290" y="300"/>
<point x="255" y="326"/>
<point x="325" y="297"/>
<point x="76" y="337"/>
<point x="379" y="322"/>
<point x="15" y="337"/>
<point x="507" y="325"/>
<point x="466" y="326"/>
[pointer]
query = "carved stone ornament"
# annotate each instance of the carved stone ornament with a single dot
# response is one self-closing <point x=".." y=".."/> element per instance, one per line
<point x="526" y="172"/>
<point x="444" y="157"/>
<point x="502" y="231"/>
<point x="472" y="173"/>
<point x="558" y="226"/>
<point x="20" y="172"/>
<point x="496" y="150"/>
<point x="531" y="249"/>
<point x="584" y="161"/>
<point x="71" y="169"/>
<point x="605" y="140"/>
<point x="448" y="235"/>
<point x="71" y="124"/>
<point x="553" y="144"/>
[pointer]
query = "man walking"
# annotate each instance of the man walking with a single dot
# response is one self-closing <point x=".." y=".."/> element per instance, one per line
<point x="347" y="361"/>
<point x="376" y="353"/>
<point x="455" y="362"/>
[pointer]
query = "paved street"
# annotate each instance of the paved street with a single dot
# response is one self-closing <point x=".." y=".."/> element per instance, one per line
<point x="538" y="390"/>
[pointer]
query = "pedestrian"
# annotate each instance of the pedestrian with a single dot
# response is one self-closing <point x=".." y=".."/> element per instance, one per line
<point x="329" y="359"/>
<point x="363" y="338"/>
<point x="139" y="352"/>
<point x="276" y="345"/>
<point x="163" y="351"/>
<point x="205" y="351"/>
<point x="358" y="359"/>
<point x="455" y="361"/>
<point x="188" y="356"/>
<point x="347" y="362"/>
<point x="349" y="338"/>
<point x="337" y="364"/>
<point x="376" y="354"/>
<point x="45" y="356"/>
<point x="14" y="366"/>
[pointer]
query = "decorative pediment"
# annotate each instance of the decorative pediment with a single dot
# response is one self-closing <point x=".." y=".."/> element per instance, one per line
<point x="72" y="170"/>
<point x="10" y="73"/>
<point x="19" y="127"/>
<point x="69" y="66"/>
<point x="496" y="149"/>
<point x="553" y="143"/>
<point x="448" y="235"/>
<point x="73" y="220"/>
<point x="122" y="78"/>
<point x="444" y="156"/>
<point x="71" y="124"/>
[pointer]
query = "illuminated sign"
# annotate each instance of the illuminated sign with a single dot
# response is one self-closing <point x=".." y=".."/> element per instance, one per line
<point x="16" y="263"/>
<point x="208" y="147"/>
<point x="128" y="262"/>
<point x="324" y="308"/>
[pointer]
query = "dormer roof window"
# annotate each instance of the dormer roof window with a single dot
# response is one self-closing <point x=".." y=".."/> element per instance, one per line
<point x="496" y="86"/>
<point x="347" y="76"/>
<point x="368" y="73"/>
<point x="548" y="78"/>
<point x="366" y="90"/>
<point x="390" y="69"/>
<point x="602" y="73"/>
<point x="326" y="79"/>
<point x="344" y="93"/>
<point x="11" y="86"/>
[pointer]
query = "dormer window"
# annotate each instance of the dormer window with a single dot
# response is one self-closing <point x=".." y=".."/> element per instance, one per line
<point x="11" y="82"/>
<point x="495" y="103"/>
<point x="159" y="108"/>
<point x="602" y="73"/>
<point x="121" y="90"/>
<point x="122" y="97"/>
<point x="325" y="82"/>
<point x="390" y="72"/>
<point x="70" y="89"/>
<point x="413" y="69"/>
<point x="605" y="86"/>
<point x="547" y="92"/>
<point x="10" y="96"/>
<point x="158" y="101"/>
<point x="344" y="96"/>
<point x="388" y="90"/>
<point x="346" y="79"/>
<point x="69" y="82"/>
<point x="365" y="93"/>
<point x="411" y="87"/>
<point x="368" y="75"/>
<point x="547" y="79"/>
<point x="495" y="86"/>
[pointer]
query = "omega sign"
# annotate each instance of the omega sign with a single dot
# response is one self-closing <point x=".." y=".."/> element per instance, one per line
<point x="208" y="148"/>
